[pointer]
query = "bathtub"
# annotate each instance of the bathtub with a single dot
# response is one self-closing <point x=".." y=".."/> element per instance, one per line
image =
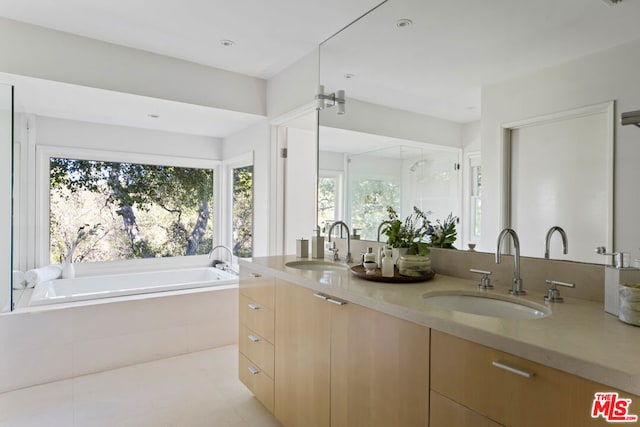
<point x="117" y="285"/>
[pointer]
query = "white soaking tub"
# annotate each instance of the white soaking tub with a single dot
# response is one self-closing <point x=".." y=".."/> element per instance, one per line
<point x="116" y="285"/>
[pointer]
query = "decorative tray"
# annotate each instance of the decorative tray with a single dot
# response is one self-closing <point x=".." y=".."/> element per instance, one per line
<point x="360" y="272"/>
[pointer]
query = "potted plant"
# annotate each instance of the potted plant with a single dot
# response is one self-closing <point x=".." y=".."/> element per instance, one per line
<point x="407" y="236"/>
<point x="443" y="234"/>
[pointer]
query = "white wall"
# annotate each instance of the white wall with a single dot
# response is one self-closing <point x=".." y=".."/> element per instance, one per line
<point x="379" y="120"/>
<point x="300" y="184"/>
<point x="256" y="139"/>
<point x="608" y="75"/>
<point x="71" y="133"/>
<point x="293" y="87"/>
<point x="34" y="51"/>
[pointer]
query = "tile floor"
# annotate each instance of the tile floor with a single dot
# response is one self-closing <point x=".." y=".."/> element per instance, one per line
<point x="192" y="390"/>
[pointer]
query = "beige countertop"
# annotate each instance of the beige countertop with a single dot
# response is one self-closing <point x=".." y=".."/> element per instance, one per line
<point x="578" y="337"/>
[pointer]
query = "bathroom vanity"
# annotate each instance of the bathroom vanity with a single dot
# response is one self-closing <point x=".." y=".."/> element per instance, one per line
<point x="324" y="348"/>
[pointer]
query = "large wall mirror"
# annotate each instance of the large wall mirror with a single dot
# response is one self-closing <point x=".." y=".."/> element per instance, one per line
<point x="447" y="82"/>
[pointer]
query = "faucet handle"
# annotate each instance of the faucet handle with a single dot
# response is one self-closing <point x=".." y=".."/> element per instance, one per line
<point x="553" y="294"/>
<point x="485" y="283"/>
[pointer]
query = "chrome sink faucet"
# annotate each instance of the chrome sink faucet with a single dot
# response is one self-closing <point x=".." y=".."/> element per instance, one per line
<point x="380" y="228"/>
<point x="347" y="258"/>
<point x="548" y="240"/>
<point x="516" y="286"/>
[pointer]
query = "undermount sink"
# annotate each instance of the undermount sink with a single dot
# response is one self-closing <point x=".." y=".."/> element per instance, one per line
<point x="487" y="305"/>
<point x="317" y="265"/>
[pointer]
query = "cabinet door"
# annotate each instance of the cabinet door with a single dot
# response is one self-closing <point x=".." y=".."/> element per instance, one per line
<point x="302" y="351"/>
<point x="379" y="369"/>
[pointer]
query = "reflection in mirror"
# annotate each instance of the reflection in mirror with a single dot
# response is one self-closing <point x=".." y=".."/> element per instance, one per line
<point x="561" y="169"/>
<point x="6" y="150"/>
<point x="426" y="80"/>
<point x="363" y="174"/>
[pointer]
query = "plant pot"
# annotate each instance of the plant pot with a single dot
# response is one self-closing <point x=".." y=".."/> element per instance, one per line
<point x="398" y="253"/>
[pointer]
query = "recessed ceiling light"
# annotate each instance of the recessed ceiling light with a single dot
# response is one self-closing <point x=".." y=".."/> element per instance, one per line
<point x="349" y="76"/>
<point x="153" y="116"/>
<point x="227" y="43"/>
<point x="403" y="23"/>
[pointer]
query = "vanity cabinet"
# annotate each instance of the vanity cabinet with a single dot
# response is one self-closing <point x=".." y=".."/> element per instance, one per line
<point x="447" y="413"/>
<point x="256" y="338"/>
<point x="340" y="364"/>
<point x="507" y="389"/>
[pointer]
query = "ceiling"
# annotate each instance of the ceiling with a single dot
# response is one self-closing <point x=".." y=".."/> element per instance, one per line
<point x="436" y="66"/>
<point x="268" y="35"/>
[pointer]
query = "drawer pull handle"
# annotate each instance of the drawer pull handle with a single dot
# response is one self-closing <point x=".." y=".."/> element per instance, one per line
<point x="253" y="370"/>
<point x="513" y="370"/>
<point x="253" y="338"/>
<point x="253" y="306"/>
<point x="255" y="275"/>
<point x="322" y="297"/>
<point x="335" y="301"/>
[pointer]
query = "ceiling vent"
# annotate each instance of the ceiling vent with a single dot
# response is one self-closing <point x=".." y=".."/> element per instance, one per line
<point x="612" y="2"/>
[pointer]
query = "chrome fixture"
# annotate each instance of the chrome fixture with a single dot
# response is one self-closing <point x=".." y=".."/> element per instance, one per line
<point x="485" y="283"/>
<point x="347" y="258"/>
<point x="630" y="118"/>
<point x="226" y="266"/>
<point x="516" y="286"/>
<point x="417" y="164"/>
<point x="548" y="240"/>
<point x="620" y="259"/>
<point x="387" y="222"/>
<point x="329" y="100"/>
<point x="553" y="294"/>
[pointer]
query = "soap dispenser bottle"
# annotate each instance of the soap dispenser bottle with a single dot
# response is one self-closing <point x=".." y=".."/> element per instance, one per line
<point x="387" y="263"/>
<point x="369" y="256"/>
<point x="317" y="244"/>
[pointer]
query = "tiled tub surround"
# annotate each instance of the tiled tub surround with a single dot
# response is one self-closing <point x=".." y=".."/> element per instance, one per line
<point x="56" y="342"/>
<point x="578" y="337"/>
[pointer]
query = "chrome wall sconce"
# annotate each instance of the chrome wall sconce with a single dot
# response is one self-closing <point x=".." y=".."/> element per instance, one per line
<point x="630" y="118"/>
<point x="329" y="100"/>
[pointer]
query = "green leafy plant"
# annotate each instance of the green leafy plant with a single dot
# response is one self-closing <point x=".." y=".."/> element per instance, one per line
<point x="408" y="233"/>
<point x="443" y="234"/>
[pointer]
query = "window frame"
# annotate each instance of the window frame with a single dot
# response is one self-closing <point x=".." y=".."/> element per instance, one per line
<point x="226" y="224"/>
<point x="42" y="208"/>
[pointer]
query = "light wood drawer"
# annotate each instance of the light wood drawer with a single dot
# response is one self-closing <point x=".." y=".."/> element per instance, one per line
<point x="256" y="380"/>
<point x="257" y="317"/>
<point x="466" y="373"/>
<point x="258" y="287"/>
<point x="256" y="349"/>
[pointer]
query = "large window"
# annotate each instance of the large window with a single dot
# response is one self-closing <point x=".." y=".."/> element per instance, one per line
<point x="104" y="211"/>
